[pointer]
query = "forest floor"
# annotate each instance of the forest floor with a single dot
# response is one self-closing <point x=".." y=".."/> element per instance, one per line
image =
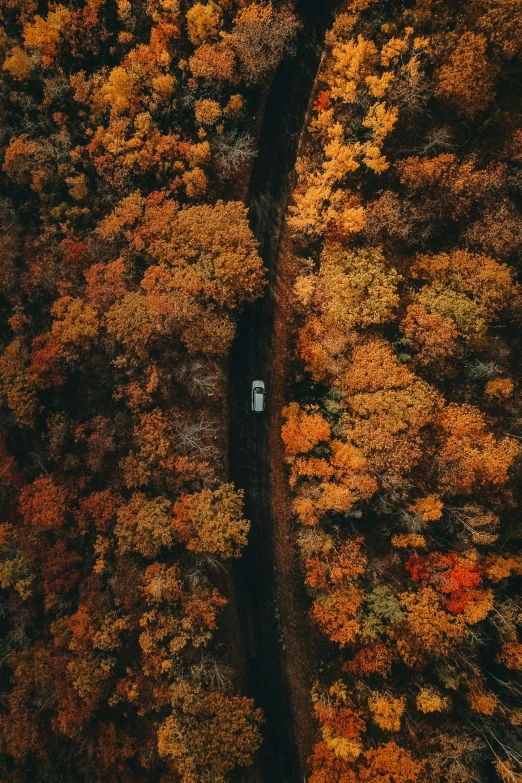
<point x="266" y="573"/>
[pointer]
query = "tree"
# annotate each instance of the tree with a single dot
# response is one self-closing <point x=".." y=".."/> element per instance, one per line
<point x="76" y="324"/>
<point x="303" y="431"/>
<point x="144" y="525"/>
<point x="389" y="218"/>
<point x="175" y="619"/>
<point x="45" y="368"/>
<point x="351" y="62"/>
<point x="129" y="322"/>
<point x="260" y="36"/>
<point x="17" y="388"/>
<point x="98" y="508"/>
<point x="323" y="349"/>
<point x="429" y="508"/>
<point x="16" y="573"/>
<point x="333" y="485"/>
<point x="208" y="733"/>
<point x="470" y="289"/>
<point x="43" y="504"/>
<point x="408" y="540"/>
<point x="431" y="700"/>
<point x="480" y="699"/>
<point x="499" y="388"/>
<point x="374" y="658"/>
<point x="207" y="265"/>
<point x="434" y="337"/>
<point x="467" y="79"/>
<point x="99" y="437"/>
<point x="207" y="112"/>
<point x="214" y="61"/>
<point x="29" y="162"/>
<point x="497" y="232"/>
<point x="387" y="710"/>
<point x="430" y="631"/>
<point x="18" y="64"/>
<point x="380" y="120"/>
<point x="106" y="283"/>
<point x="212" y="521"/>
<point x="502" y="24"/>
<point x="326" y="767"/>
<point x="203" y="22"/>
<point x="387" y="407"/>
<point x="214" y="242"/>
<point x="335" y="613"/>
<point x="32" y="684"/>
<point x="381" y="613"/>
<point x="44" y="35"/>
<point x="353" y="289"/>
<point x="61" y="573"/>
<point x="511" y="656"/>
<point x="335" y="565"/>
<point x="456" y="756"/>
<point x="470" y="458"/>
<point x="454" y="576"/>
<point x="389" y="763"/>
<point x="340" y="720"/>
<point x="445" y="188"/>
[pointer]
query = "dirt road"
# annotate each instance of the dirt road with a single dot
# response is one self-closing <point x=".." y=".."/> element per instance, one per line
<point x="257" y="578"/>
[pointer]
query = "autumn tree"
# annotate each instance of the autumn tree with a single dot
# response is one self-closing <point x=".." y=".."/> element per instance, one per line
<point x="43" y="504"/>
<point x="206" y="265"/>
<point x="18" y="64"/>
<point x="191" y="618"/>
<point x="467" y="79"/>
<point x="214" y="61"/>
<point x="352" y="289"/>
<point x="260" y="35"/>
<point x="212" y="521"/>
<point x="470" y="457"/>
<point x="387" y="407"/>
<point x="208" y="733"/>
<point x="203" y="22"/>
<point x="387" y="710"/>
<point x="433" y="337"/>
<point x="471" y="290"/>
<point x="341" y="721"/>
<point x="389" y="763"/>
<point x="431" y="632"/>
<point x="144" y="525"/>
<point x="303" y="430"/>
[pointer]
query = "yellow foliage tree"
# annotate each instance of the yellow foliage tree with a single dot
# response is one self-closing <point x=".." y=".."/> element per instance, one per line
<point x="387" y="710"/>
<point x="212" y="521"/>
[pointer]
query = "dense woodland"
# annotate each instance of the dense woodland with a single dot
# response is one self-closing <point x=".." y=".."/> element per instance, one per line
<point x="125" y="128"/>
<point x="127" y="132"/>
<point x="403" y="428"/>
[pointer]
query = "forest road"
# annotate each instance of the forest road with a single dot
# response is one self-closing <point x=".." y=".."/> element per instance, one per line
<point x="256" y="576"/>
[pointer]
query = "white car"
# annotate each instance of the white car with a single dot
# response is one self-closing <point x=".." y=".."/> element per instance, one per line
<point x="258" y="396"/>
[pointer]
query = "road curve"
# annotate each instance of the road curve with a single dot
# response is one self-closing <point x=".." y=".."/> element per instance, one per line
<point x="249" y="458"/>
